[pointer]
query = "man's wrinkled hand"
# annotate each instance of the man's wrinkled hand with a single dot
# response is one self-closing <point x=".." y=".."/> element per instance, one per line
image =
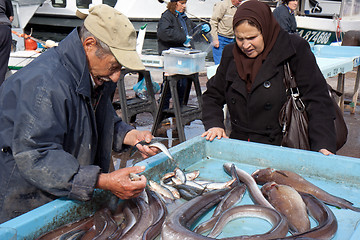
<point x="121" y="183"/>
<point x="135" y="136"/>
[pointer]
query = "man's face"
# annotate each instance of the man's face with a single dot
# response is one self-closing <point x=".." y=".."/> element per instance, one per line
<point x="102" y="68"/>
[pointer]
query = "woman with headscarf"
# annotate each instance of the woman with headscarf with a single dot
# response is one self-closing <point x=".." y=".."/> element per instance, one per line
<point x="249" y="80"/>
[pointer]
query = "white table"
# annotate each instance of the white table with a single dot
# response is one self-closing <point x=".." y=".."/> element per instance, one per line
<point x="339" y="54"/>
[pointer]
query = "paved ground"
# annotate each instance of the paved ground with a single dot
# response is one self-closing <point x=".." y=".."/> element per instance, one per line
<point x="144" y="121"/>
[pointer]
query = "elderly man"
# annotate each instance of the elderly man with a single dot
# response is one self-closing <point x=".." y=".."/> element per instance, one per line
<point x="57" y="123"/>
<point x="221" y="26"/>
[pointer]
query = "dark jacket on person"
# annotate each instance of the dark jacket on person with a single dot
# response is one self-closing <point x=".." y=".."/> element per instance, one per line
<point x="254" y="115"/>
<point x="6" y="11"/>
<point x="285" y="19"/>
<point x="170" y="32"/>
<point x="53" y="144"/>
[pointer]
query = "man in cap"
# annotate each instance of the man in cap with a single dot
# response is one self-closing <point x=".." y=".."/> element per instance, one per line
<point x="57" y="123"/>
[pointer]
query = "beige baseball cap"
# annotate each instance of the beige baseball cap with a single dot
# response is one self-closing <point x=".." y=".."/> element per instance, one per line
<point x="115" y="30"/>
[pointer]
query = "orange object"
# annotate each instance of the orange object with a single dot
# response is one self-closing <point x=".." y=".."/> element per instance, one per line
<point x="30" y="44"/>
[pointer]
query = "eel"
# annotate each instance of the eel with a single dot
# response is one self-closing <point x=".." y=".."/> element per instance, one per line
<point x="84" y="224"/>
<point x="177" y="223"/>
<point x="130" y="218"/>
<point x="246" y="178"/>
<point x="279" y="224"/>
<point x="159" y="210"/>
<point x="231" y="198"/>
<point x="300" y="184"/>
<point x="144" y="220"/>
<point x="327" y="223"/>
<point x="289" y="202"/>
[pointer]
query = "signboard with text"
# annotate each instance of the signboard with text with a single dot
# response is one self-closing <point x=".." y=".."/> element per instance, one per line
<point x="318" y="36"/>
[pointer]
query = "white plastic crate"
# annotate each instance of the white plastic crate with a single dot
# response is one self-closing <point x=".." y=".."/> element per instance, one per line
<point x="183" y="61"/>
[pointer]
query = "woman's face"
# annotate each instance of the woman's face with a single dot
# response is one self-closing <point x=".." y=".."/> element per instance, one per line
<point x="180" y="6"/>
<point x="249" y="39"/>
<point x="293" y="5"/>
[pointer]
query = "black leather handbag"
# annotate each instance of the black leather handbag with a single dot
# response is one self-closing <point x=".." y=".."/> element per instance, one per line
<point x="293" y="117"/>
<point x="294" y="120"/>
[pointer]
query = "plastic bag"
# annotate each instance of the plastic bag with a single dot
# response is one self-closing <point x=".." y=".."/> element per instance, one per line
<point x="141" y="90"/>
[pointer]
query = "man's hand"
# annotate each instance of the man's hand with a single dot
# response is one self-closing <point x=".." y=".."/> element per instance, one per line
<point x="120" y="183"/>
<point x="135" y="136"/>
<point x="216" y="43"/>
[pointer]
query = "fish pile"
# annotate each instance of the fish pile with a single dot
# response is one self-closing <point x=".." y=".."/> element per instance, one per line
<point x="286" y="200"/>
<point x="178" y="184"/>
<point x="173" y="209"/>
<point x="137" y="218"/>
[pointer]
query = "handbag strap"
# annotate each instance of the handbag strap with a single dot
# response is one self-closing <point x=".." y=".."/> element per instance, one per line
<point x="289" y="79"/>
<point x="291" y="86"/>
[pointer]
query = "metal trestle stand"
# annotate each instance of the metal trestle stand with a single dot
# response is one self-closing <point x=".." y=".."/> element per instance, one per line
<point x="184" y="114"/>
<point x="132" y="106"/>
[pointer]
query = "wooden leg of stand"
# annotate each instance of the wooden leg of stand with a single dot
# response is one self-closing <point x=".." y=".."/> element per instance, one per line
<point x="177" y="107"/>
<point x="159" y="113"/>
<point x="340" y="88"/>
<point x="356" y="92"/>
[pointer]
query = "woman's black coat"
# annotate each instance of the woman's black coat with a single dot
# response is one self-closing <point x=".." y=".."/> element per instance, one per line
<point x="254" y="115"/>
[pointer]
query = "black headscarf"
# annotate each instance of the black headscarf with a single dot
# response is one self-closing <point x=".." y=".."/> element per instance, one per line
<point x="260" y="14"/>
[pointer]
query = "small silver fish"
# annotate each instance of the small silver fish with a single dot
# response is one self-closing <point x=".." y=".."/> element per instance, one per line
<point x="163" y="148"/>
<point x="179" y="174"/>
<point x="192" y="175"/>
<point x="134" y="177"/>
<point x="156" y="187"/>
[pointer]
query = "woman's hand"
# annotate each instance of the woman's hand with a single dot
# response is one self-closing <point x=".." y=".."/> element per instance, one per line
<point x="120" y="183"/>
<point x="214" y="132"/>
<point x="325" y="152"/>
<point x="135" y="136"/>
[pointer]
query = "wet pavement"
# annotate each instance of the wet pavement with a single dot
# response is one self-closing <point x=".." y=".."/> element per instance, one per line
<point x="144" y="121"/>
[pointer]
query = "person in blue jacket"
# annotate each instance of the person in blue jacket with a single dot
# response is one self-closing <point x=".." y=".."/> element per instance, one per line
<point x="176" y="30"/>
<point x="285" y="15"/>
<point x="57" y="124"/>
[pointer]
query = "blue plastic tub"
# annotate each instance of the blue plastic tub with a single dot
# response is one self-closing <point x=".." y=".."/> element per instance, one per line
<point x="337" y="175"/>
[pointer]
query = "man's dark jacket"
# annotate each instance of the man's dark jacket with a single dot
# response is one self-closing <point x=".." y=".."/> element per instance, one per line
<point x="254" y="115"/>
<point x="170" y="33"/>
<point x="52" y="142"/>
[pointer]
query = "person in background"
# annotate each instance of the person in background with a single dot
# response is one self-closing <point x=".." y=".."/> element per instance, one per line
<point x="285" y="15"/>
<point x="175" y="30"/>
<point x="57" y="123"/>
<point x="6" y="18"/>
<point x="221" y="26"/>
<point x="249" y="80"/>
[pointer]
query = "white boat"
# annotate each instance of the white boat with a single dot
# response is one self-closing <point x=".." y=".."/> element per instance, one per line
<point x="23" y="12"/>
<point x="62" y="13"/>
<point x="327" y="22"/>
